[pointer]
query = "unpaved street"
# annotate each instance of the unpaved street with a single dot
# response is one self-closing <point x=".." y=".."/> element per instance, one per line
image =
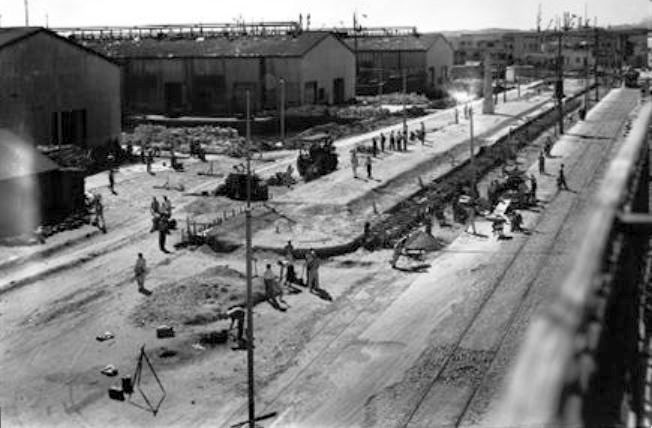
<point x="394" y="348"/>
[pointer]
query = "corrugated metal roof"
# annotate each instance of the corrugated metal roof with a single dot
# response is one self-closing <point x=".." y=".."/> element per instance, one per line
<point x="11" y="34"/>
<point x="394" y="43"/>
<point x="19" y="158"/>
<point x="286" y="46"/>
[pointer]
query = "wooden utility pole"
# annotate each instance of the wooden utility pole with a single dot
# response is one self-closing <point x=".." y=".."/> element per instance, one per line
<point x="282" y="115"/>
<point x="26" y="13"/>
<point x="559" y="87"/>
<point x="404" y="96"/>
<point x="596" y="52"/>
<point x="250" y="315"/>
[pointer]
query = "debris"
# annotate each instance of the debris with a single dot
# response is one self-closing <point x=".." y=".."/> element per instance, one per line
<point x="109" y="370"/>
<point x="107" y="335"/>
<point x="116" y="393"/>
<point x="164" y="331"/>
<point x="198" y="347"/>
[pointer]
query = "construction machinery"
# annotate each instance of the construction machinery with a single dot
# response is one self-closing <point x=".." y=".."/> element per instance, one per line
<point x="513" y="187"/>
<point x="235" y="187"/>
<point x="317" y="156"/>
<point x="631" y="78"/>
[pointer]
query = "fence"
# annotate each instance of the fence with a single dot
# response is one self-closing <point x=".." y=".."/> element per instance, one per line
<point x="583" y="362"/>
<point x="195" y="232"/>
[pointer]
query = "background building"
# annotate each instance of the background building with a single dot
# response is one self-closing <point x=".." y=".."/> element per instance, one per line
<point x="208" y="73"/>
<point x="54" y="91"/>
<point x="34" y="189"/>
<point x="384" y="55"/>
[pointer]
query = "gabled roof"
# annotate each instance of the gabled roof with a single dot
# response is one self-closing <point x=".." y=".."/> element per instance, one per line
<point x="215" y="47"/>
<point x="11" y="35"/>
<point x="421" y="42"/>
<point x="19" y="158"/>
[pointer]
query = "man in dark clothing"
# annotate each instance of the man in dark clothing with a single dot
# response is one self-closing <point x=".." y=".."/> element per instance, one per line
<point x="382" y="142"/>
<point x="368" y="164"/>
<point x="237" y="315"/>
<point x="112" y="181"/>
<point x="374" y="146"/>
<point x="542" y="163"/>
<point x="392" y="141"/>
<point x="561" y="179"/>
<point x="533" y="189"/>
<point x="162" y="233"/>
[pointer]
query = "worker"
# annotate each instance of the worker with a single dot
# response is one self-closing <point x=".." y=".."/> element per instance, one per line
<point x="457" y="116"/>
<point x="143" y="159"/>
<point x="288" y="175"/>
<point x="290" y="273"/>
<point x="392" y="141"/>
<point x="382" y="142"/>
<point x="533" y="189"/>
<point x="112" y="180"/>
<point x="155" y="211"/>
<point x="166" y="207"/>
<point x="368" y="165"/>
<point x="163" y="230"/>
<point x="272" y="289"/>
<point x="423" y="131"/>
<point x="354" y="162"/>
<point x="312" y="270"/>
<point x="140" y="270"/>
<point x="150" y="161"/>
<point x="398" y="249"/>
<point x="542" y="163"/>
<point x="374" y="147"/>
<point x="548" y="146"/>
<point x="99" y="213"/>
<point x="561" y="179"/>
<point x="237" y="315"/>
<point x="516" y="221"/>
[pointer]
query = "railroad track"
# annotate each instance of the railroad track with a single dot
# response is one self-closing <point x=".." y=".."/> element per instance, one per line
<point x="456" y="348"/>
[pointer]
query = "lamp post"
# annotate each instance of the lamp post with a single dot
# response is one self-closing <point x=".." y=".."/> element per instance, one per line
<point x="404" y="110"/>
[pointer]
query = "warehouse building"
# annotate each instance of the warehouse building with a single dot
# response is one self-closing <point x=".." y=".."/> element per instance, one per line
<point x="383" y="59"/>
<point x="34" y="189"/>
<point x="209" y="75"/>
<point x="54" y="91"/>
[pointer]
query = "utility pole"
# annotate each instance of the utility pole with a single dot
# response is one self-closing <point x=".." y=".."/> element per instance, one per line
<point x="596" y="51"/>
<point x="282" y="84"/>
<point x="355" y="45"/>
<point x="250" y="317"/>
<point x="26" y="13"/>
<point x="404" y="96"/>
<point x="559" y="87"/>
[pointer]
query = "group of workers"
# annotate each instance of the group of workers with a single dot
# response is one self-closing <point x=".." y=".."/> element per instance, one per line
<point x="161" y="220"/>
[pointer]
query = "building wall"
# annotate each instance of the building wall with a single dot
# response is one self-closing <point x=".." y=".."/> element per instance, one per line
<point x="327" y="61"/>
<point x="439" y="60"/>
<point x="43" y="75"/>
<point x="387" y="67"/>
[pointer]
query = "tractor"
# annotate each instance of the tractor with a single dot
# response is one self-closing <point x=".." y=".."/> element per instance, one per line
<point x="317" y="156"/>
<point x="513" y="186"/>
<point x="235" y="187"/>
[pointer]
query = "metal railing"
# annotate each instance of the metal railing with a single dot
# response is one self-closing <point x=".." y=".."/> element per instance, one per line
<point x="582" y="363"/>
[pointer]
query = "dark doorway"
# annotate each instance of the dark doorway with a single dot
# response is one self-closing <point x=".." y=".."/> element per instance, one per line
<point x="310" y="93"/>
<point x="173" y="97"/>
<point x="338" y="91"/>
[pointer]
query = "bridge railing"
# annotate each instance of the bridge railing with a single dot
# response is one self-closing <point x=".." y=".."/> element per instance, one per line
<point x="583" y="360"/>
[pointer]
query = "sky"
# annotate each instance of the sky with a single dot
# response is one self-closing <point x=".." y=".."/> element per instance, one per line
<point x="426" y="15"/>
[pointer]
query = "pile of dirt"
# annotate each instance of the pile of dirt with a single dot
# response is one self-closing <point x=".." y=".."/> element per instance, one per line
<point x="213" y="139"/>
<point x="197" y="300"/>
<point x="68" y="156"/>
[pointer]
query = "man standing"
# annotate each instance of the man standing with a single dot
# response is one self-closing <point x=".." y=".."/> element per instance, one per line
<point x="533" y="189"/>
<point x="368" y="164"/>
<point x="155" y="210"/>
<point x="150" y="161"/>
<point x="312" y="267"/>
<point x="166" y="207"/>
<point x="374" y="146"/>
<point x="392" y="141"/>
<point x="112" y="181"/>
<point x="162" y="233"/>
<point x="542" y="163"/>
<point x="237" y="315"/>
<point x="290" y="274"/>
<point x="99" y="213"/>
<point x="354" y="162"/>
<point x="382" y="142"/>
<point x="140" y="270"/>
<point x="272" y="289"/>
<point x="561" y="179"/>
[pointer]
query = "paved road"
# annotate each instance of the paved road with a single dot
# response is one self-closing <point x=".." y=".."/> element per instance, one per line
<point x="435" y="357"/>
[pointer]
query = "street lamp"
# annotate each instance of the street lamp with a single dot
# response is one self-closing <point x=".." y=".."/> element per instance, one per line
<point x="282" y="115"/>
<point x="250" y="318"/>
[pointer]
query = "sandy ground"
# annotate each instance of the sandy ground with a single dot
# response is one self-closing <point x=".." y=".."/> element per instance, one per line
<point x="372" y="337"/>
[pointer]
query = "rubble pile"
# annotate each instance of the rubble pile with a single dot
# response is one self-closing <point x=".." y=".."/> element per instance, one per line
<point x="395" y="98"/>
<point x="213" y="139"/>
<point x="68" y="156"/>
<point x="351" y="112"/>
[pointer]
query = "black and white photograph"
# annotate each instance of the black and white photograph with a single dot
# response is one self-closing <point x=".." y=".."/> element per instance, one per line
<point x="326" y="214"/>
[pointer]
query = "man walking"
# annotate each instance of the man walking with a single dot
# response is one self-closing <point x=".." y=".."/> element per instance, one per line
<point x="112" y="181"/>
<point x="140" y="270"/>
<point x="162" y="233"/>
<point x="561" y="179"/>
<point x="368" y="164"/>
<point x="354" y="162"/>
<point x="542" y="163"/>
